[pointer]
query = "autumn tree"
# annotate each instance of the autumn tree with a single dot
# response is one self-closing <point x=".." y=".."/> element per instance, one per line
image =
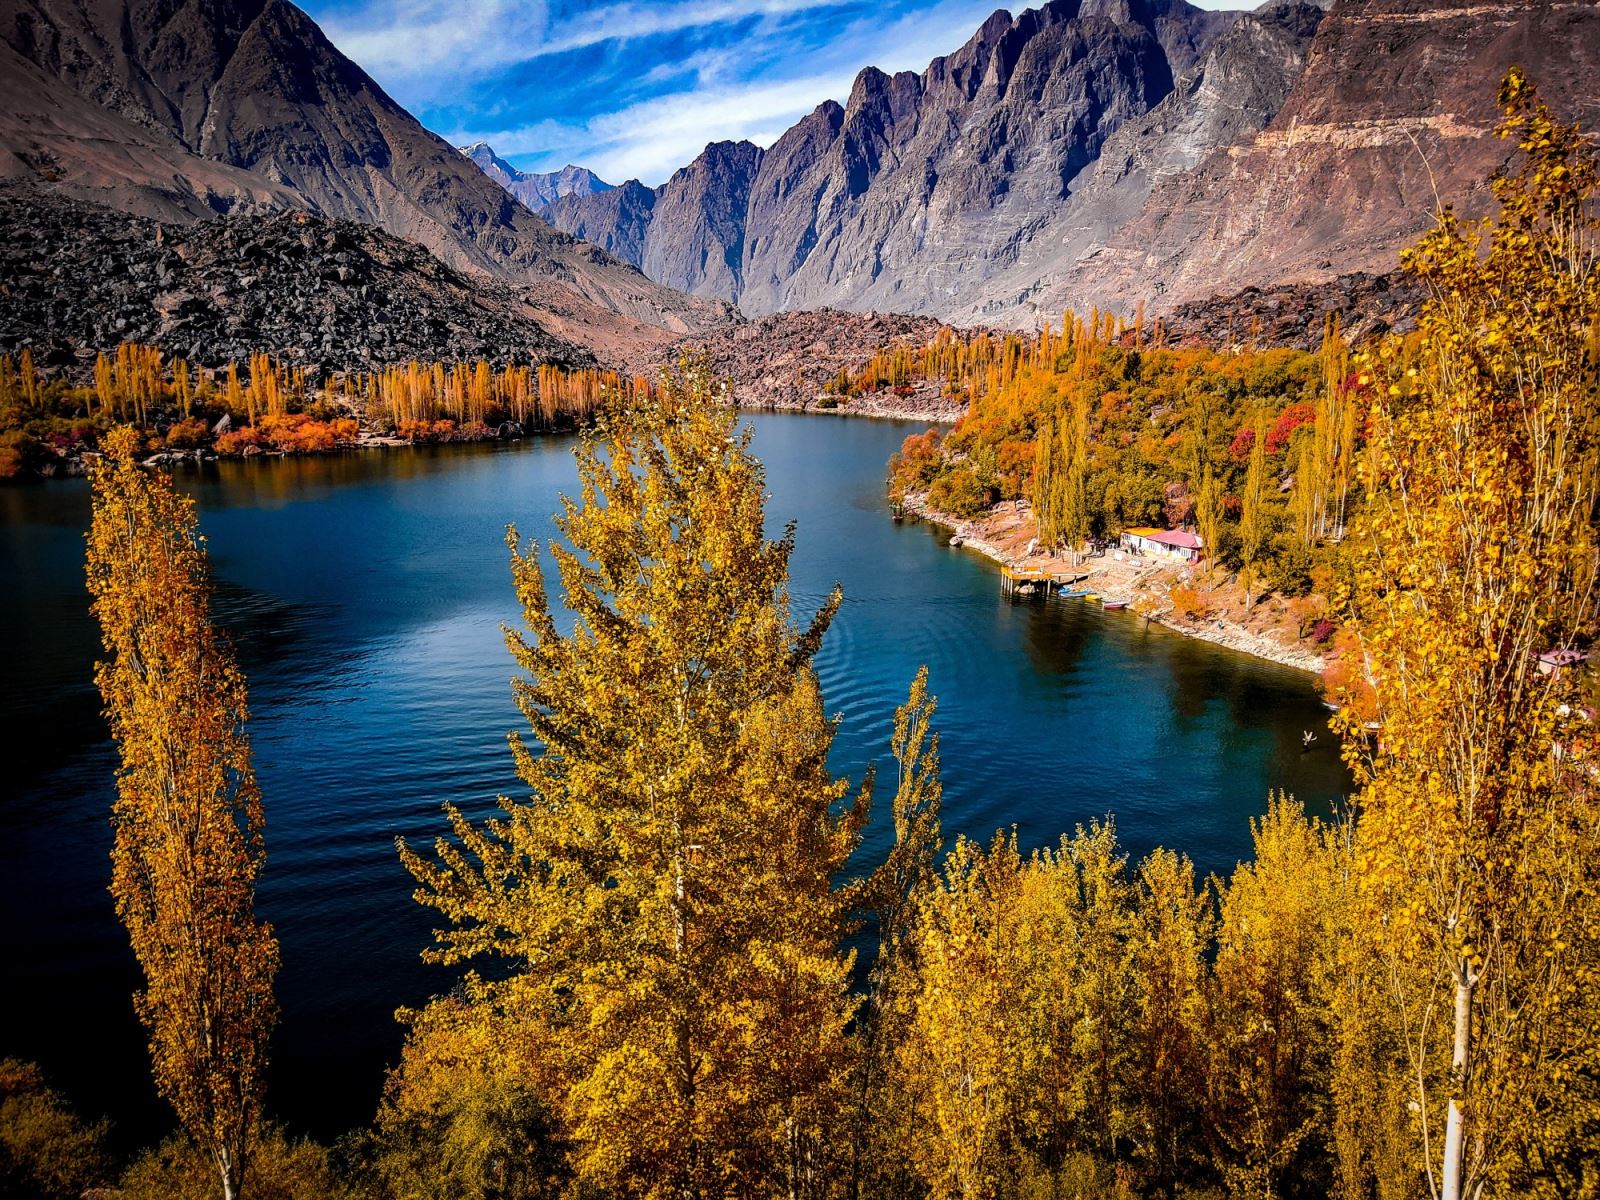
<point x="1018" y="1049"/>
<point x="1208" y="516"/>
<point x="1172" y="931"/>
<point x="1269" y="1028"/>
<point x="893" y="895"/>
<point x="187" y="818"/>
<point x="1253" y="532"/>
<point x="1478" y="831"/>
<point x="661" y="908"/>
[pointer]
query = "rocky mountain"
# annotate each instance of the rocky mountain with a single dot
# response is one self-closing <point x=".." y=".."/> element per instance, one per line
<point x="695" y="241"/>
<point x="232" y="104"/>
<point x="1107" y="151"/>
<point x="535" y="190"/>
<point x="320" y="293"/>
<point x="1230" y="94"/>
<point x="920" y="187"/>
<point x="617" y="221"/>
<point x="1394" y="111"/>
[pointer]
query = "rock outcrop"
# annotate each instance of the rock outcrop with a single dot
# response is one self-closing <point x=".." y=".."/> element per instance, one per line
<point x="1394" y="112"/>
<point x="783" y="361"/>
<point x="325" y="294"/>
<point x="281" y="118"/>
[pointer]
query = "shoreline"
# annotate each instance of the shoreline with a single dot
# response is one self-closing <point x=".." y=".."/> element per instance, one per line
<point x="1130" y="579"/>
<point x="871" y="410"/>
<point x="71" y="465"/>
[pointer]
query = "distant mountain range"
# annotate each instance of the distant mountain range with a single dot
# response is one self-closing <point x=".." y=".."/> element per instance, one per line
<point x="1085" y="152"/>
<point x="536" y="190"/>
<point x="182" y="109"/>
<point x="1110" y="151"/>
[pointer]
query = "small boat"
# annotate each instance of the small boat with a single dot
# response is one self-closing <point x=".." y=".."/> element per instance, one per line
<point x="1090" y="597"/>
<point x="1081" y="594"/>
<point x="1114" y="605"/>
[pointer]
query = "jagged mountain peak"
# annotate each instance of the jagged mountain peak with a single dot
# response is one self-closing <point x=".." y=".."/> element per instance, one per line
<point x="536" y="190"/>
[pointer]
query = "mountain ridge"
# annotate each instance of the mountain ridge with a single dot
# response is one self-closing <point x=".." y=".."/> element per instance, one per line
<point x="1111" y="152"/>
<point x="536" y="190"/>
<point x="255" y="87"/>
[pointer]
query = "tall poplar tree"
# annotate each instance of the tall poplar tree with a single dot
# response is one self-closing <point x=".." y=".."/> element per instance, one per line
<point x="1252" y="517"/>
<point x="662" y="903"/>
<point x="1479" y="838"/>
<point x="187" y="818"/>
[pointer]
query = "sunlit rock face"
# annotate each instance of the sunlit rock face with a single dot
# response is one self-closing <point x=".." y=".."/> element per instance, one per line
<point x="1113" y="151"/>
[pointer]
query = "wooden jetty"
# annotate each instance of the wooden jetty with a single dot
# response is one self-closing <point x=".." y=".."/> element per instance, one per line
<point x="1024" y="581"/>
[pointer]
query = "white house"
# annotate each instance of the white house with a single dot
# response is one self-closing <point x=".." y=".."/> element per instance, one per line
<point x="1167" y="543"/>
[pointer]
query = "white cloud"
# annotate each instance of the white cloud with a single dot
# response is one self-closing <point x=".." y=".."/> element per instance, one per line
<point x="421" y="38"/>
<point x="650" y="139"/>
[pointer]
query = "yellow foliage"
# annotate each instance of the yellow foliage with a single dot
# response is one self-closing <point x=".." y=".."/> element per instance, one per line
<point x="666" y="888"/>
<point x="187" y="817"/>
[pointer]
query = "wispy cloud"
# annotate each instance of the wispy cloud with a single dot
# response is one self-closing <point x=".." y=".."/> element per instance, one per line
<point x="422" y="37"/>
<point x="651" y="139"/>
<point x="633" y="89"/>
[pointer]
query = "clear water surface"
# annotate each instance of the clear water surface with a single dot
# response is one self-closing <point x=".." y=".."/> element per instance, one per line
<point x="366" y="595"/>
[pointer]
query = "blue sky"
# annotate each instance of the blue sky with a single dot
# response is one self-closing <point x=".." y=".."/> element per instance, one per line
<point x="631" y="88"/>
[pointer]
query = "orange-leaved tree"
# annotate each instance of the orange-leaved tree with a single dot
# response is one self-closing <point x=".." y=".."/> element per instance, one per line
<point x="1479" y="835"/>
<point x="187" y="818"/>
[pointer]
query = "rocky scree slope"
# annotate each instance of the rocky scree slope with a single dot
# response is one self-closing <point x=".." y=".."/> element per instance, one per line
<point x="783" y="360"/>
<point x="328" y="295"/>
<point x="245" y="103"/>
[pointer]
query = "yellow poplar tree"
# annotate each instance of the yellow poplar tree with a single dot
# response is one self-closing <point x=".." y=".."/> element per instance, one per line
<point x="1478" y="833"/>
<point x="1252" y="515"/>
<point x="1270" y="1040"/>
<point x="664" y="896"/>
<point x="893" y="896"/>
<point x="1173" y="927"/>
<point x="187" y="817"/>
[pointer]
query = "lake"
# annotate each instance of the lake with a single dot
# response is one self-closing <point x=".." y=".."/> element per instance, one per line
<point x="366" y="593"/>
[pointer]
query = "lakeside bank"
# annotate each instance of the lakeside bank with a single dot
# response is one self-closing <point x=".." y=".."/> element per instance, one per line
<point x="1005" y="535"/>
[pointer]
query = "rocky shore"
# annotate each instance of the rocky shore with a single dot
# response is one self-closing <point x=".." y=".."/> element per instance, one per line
<point x="784" y="362"/>
<point x="1005" y="534"/>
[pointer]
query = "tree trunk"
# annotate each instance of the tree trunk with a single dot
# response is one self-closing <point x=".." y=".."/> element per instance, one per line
<point x="1455" y="1131"/>
<point x="231" y="1171"/>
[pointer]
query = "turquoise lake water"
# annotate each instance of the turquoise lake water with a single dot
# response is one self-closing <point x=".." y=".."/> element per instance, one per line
<point x="366" y="594"/>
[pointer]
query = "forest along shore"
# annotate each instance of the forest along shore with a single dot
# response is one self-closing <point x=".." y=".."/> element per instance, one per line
<point x="1005" y="534"/>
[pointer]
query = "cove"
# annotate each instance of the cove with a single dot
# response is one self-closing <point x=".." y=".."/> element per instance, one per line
<point x="365" y="594"/>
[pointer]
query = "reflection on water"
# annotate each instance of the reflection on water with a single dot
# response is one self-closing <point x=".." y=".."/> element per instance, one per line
<point x="366" y="595"/>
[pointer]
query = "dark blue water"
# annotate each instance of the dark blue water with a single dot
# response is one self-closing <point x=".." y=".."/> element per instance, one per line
<point x="366" y="594"/>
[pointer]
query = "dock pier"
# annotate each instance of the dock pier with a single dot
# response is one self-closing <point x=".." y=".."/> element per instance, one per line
<point x="1016" y="582"/>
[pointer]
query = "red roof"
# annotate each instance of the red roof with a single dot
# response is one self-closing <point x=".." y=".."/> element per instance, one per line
<point x="1178" y="538"/>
